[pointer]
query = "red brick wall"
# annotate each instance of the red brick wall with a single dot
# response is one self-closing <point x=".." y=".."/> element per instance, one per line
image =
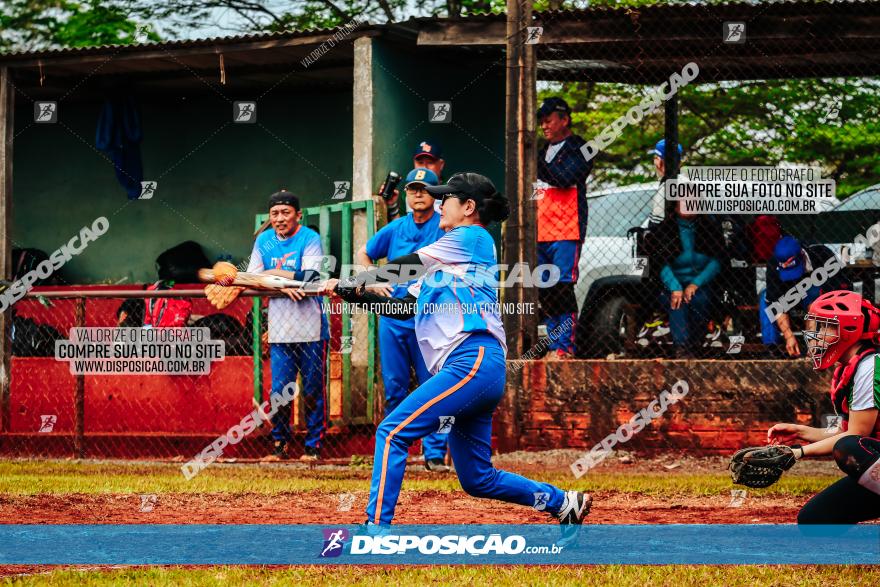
<point x="575" y="404"/>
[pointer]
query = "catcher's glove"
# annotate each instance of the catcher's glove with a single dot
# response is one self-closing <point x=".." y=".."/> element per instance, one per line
<point x="760" y="466"/>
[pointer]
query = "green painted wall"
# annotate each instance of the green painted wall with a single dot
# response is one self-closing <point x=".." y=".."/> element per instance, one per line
<point x="405" y="81"/>
<point x="213" y="176"/>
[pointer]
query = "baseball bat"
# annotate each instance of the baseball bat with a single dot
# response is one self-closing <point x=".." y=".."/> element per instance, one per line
<point x="262" y="281"/>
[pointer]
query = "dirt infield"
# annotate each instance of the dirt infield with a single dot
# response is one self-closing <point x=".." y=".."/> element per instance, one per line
<point x="660" y="490"/>
<point x="627" y="489"/>
<point x="415" y="507"/>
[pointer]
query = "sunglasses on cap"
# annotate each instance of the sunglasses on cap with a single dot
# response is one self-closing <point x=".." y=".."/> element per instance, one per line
<point x="462" y="197"/>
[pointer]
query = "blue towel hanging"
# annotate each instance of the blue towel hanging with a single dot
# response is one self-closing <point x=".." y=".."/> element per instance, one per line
<point x="119" y="135"/>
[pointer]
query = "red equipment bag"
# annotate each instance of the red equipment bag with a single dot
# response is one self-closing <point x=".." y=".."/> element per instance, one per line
<point x="763" y="234"/>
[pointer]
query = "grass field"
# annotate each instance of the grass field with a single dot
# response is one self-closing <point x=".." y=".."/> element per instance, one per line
<point x="671" y="576"/>
<point x="68" y="477"/>
<point x="108" y="492"/>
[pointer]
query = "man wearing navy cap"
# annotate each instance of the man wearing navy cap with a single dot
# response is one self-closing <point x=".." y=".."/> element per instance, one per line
<point x="398" y="346"/>
<point x="790" y="264"/>
<point x="561" y="220"/>
<point x="428" y="155"/>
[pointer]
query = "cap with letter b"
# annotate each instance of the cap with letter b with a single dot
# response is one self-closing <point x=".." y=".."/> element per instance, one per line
<point x="419" y="177"/>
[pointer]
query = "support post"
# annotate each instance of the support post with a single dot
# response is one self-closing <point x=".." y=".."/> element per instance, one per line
<point x="7" y="108"/>
<point x="519" y="232"/>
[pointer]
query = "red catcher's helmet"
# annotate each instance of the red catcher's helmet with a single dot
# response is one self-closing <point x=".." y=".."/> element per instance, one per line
<point x="836" y="321"/>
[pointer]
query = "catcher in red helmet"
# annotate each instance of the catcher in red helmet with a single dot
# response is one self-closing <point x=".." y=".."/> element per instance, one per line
<point x="841" y="331"/>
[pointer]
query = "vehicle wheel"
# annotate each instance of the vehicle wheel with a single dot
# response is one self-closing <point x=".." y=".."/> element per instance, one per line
<point x="605" y="329"/>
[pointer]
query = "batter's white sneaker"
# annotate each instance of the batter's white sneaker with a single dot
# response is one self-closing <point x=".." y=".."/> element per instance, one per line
<point x="571" y="516"/>
<point x="575" y="508"/>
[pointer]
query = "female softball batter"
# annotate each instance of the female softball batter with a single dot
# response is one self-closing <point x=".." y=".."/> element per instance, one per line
<point x="461" y="337"/>
<point x="841" y="329"/>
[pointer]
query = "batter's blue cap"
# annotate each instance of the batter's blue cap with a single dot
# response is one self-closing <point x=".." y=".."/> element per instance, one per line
<point x="660" y="149"/>
<point x="789" y="258"/>
<point x="553" y="104"/>
<point x="421" y="176"/>
<point x="428" y="149"/>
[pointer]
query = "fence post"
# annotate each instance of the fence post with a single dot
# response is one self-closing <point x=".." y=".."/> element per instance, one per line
<point x="521" y="169"/>
<point x="257" y="347"/>
<point x="670" y="134"/>
<point x="7" y="101"/>
<point x="80" y="392"/>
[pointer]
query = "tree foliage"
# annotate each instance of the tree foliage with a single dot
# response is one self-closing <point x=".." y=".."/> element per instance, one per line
<point x="29" y="25"/>
<point x="828" y="122"/>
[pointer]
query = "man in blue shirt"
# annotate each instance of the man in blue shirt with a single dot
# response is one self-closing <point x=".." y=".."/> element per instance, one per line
<point x="298" y="329"/>
<point x="399" y="349"/>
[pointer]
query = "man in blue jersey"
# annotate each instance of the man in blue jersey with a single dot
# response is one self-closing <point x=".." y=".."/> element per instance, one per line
<point x="298" y="329"/>
<point x="398" y="345"/>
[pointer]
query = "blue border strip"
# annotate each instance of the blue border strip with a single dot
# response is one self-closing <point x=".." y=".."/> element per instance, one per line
<point x="200" y="544"/>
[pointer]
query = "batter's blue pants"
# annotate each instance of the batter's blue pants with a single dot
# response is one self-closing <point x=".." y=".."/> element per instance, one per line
<point x="306" y="359"/>
<point x="398" y="349"/>
<point x="467" y="388"/>
<point x="565" y="255"/>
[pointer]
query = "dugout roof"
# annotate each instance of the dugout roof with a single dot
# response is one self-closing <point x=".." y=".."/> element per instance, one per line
<point x="635" y="45"/>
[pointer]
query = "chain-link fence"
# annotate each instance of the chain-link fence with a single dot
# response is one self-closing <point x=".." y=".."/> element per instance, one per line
<point x="630" y="102"/>
<point x="634" y="102"/>
<point x="123" y="390"/>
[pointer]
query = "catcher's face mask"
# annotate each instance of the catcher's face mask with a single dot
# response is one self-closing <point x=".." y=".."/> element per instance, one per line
<point x="836" y="321"/>
<point x="820" y="333"/>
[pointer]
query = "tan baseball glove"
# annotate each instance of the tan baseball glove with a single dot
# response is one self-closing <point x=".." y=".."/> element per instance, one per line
<point x="221" y="296"/>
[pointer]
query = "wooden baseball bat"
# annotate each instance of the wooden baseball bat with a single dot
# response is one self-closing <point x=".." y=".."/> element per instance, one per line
<point x="262" y="281"/>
